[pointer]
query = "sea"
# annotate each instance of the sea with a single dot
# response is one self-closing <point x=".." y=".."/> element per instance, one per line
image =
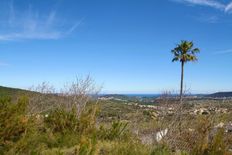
<point x="142" y="95"/>
<point x="149" y="95"/>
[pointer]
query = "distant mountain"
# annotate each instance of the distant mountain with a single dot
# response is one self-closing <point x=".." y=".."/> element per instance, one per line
<point x="220" y="95"/>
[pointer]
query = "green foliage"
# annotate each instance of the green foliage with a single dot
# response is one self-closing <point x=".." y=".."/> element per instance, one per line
<point x="28" y="134"/>
<point x="146" y="113"/>
<point x="87" y="146"/>
<point x="161" y="150"/>
<point x="130" y="147"/>
<point x="116" y="131"/>
<point x="62" y="121"/>
<point x="14" y="122"/>
<point x="185" y="52"/>
<point x="214" y="147"/>
<point x="64" y="131"/>
<point x="13" y="93"/>
<point x="30" y="143"/>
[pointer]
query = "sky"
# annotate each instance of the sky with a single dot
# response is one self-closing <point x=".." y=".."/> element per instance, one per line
<point x="123" y="45"/>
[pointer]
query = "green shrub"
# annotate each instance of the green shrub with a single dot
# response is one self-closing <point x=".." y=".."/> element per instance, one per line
<point x="131" y="147"/>
<point x="161" y="150"/>
<point x="116" y="131"/>
<point x="62" y="121"/>
<point x="214" y="147"/>
<point x="14" y="123"/>
<point x="87" y="146"/>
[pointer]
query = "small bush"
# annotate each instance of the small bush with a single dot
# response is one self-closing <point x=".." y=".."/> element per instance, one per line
<point x="214" y="147"/>
<point x="14" y="123"/>
<point x="62" y="121"/>
<point x="116" y="131"/>
<point x="161" y="150"/>
<point x="87" y="146"/>
<point x="130" y="148"/>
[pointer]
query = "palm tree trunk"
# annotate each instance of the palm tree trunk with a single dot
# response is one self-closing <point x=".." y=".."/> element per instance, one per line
<point x="181" y="82"/>
<point x="181" y="97"/>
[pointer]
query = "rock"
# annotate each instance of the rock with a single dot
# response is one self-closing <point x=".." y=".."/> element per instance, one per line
<point x="201" y="111"/>
<point x="220" y="125"/>
<point x="154" y="114"/>
<point x="191" y="130"/>
<point x="170" y="109"/>
<point x="228" y="128"/>
<point x="204" y="111"/>
<point x="170" y="113"/>
<point x="38" y="116"/>
<point x="196" y="112"/>
<point x="221" y="110"/>
<point x="161" y="134"/>
<point x="212" y="109"/>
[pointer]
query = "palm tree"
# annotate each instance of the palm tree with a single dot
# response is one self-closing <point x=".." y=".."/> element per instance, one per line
<point x="184" y="52"/>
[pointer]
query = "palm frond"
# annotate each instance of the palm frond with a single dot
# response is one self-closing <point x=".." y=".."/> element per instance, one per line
<point x="175" y="59"/>
<point x="185" y="52"/>
<point x="195" y="50"/>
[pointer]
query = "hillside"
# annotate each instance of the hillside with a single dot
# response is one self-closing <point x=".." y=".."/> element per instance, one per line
<point x="220" y="95"/>
<point x="12" y="92"/>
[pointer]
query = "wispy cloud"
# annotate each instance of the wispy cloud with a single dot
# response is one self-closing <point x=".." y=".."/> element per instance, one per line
<point x="210" y="3"/>
<point x="30" y="24"/>
<point x="208" y="19"/>
<point x="227" y="51"/>
<point x="227" y="8"/>
<point x="72" y="28"/>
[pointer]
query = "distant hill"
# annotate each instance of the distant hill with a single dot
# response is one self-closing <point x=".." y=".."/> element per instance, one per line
<point x="113" y="95"/>
<point x="12" y="92"/>
<point x="220" y="95"/>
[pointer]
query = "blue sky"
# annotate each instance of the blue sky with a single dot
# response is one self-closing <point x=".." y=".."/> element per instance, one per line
<point x="123" y="44"/>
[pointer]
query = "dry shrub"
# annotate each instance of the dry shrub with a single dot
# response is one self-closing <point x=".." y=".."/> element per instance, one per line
<point x="42" y="98"/>
<point x="194" y="134"/>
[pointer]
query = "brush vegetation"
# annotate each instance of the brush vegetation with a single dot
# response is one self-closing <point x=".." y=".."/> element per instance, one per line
<point x="75" y="123"/>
